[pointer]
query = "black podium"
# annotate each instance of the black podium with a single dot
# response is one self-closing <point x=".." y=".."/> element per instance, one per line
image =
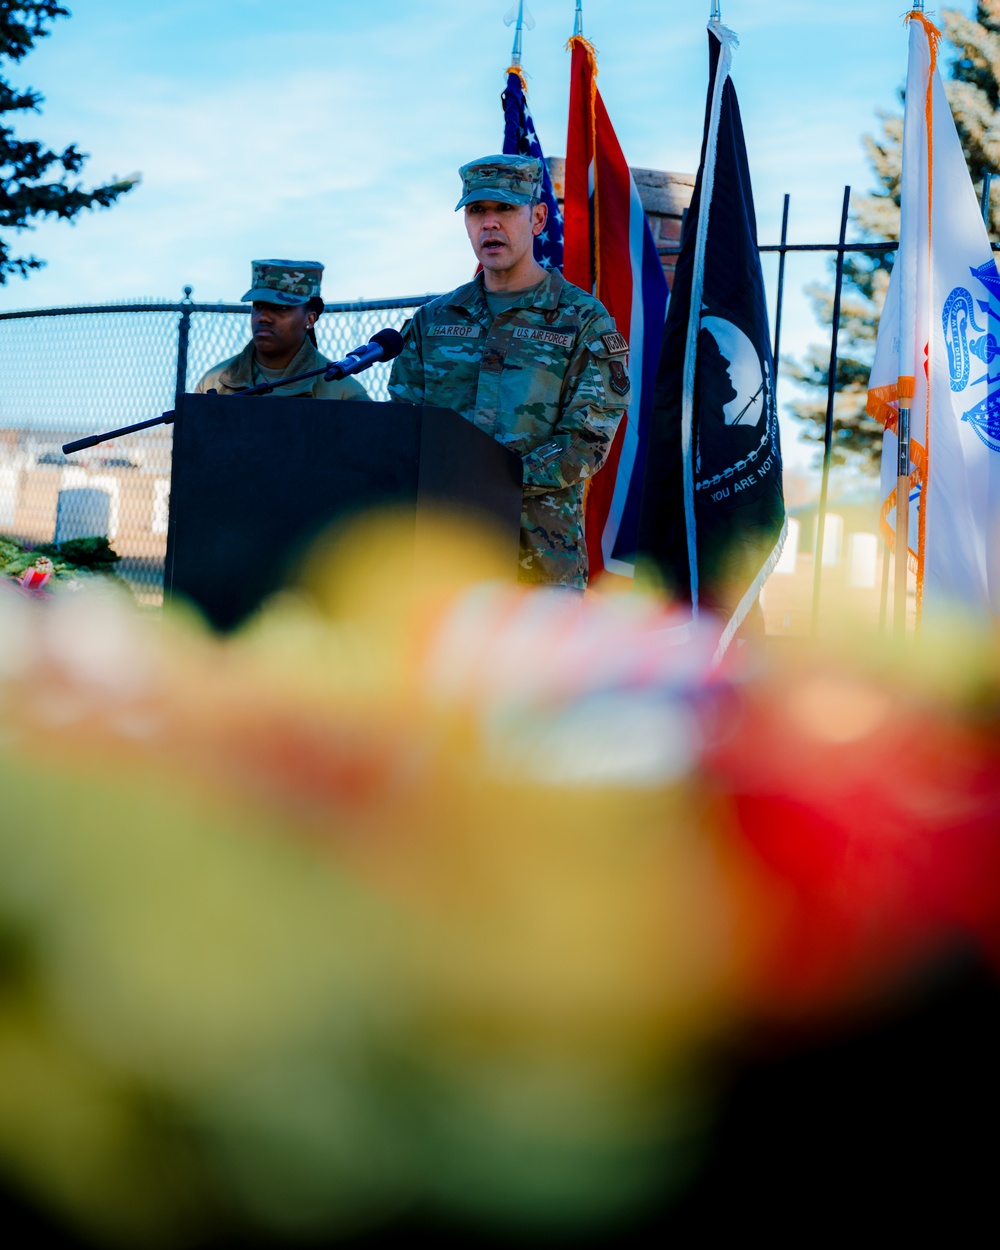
<point x="255" y="481"/>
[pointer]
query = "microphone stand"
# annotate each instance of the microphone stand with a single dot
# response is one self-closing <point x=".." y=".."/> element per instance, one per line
<point x="332" y="372"/>
<point x="79" y="444"/>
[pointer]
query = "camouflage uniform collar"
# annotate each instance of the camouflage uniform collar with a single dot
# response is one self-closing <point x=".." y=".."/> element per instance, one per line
<point x="550" y="292"/>
<point x="472" y="296"/>
<point x="240" y="373"/>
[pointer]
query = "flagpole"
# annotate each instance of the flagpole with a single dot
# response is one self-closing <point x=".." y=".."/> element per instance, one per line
<point x="905" y="388"/>
<point x="902" y="524"/>
<point x="578" y="20"/>
<point x="776" y="353"/>
<point x="831" y="393"/>
<point x="716" y="14"/>
<point x="515" y="56"/>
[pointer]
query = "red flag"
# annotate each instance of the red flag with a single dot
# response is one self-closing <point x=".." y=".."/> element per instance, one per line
<point x="609" y="251"/>
<point x="578" y="241"/>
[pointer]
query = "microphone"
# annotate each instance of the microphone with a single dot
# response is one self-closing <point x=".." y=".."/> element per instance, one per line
<point x="386" y="345"/>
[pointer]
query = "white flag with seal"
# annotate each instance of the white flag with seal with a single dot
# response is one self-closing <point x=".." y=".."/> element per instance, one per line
<point x="939" y="342"/>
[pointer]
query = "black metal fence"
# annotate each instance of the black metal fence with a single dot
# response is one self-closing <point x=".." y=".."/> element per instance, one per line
<point x="839" y="250"/>
<point x="71" y="371"/>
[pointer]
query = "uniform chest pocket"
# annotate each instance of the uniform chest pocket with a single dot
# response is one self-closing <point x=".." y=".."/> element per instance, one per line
<point x="458" y="341"/>
<point x="536" y="364"/>
<point x="448" y="346"/>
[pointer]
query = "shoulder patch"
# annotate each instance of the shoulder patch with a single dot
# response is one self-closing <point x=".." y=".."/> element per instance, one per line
<point x="615" y="343"/>
<point x="618" y="377"/>
<point x="456" y="331"/>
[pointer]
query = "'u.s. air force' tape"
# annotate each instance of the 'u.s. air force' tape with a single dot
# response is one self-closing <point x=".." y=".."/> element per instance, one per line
<point x="544" y="336"/>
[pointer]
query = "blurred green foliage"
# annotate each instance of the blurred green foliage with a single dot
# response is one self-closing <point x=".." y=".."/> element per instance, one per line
<point x="69" y="558"/>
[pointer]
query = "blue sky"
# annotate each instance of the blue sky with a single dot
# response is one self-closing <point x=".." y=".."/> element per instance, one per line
<point x="333" y="129"/>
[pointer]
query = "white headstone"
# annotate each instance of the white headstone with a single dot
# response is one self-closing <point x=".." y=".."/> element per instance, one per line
<point x="10" y="487"/>
<point x="790" y="552"/>
<point x="112" y="488"/>
<point x="82" y="512"/>
<point x="161" y="506"/>
<point x="833" y="538"/>
<point x="862" y="561"/>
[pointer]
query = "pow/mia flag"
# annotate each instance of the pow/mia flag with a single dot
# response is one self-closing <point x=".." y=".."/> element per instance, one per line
<point x="713" y="513"/>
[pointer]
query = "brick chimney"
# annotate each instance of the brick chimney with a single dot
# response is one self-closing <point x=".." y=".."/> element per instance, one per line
<point x="665" y="196"/>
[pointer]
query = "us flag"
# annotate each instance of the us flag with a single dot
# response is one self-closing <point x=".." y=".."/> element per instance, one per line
<point x="519" y="139"/>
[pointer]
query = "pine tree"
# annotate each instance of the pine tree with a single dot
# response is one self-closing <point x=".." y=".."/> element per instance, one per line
<point x="972" y="56"/>
<point x="28" y="187"/>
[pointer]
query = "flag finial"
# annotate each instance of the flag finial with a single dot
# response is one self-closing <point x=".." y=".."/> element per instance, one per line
<point x="519" y="14"/>
<point x="578" y="23"/>
<point x="716" y="15"/>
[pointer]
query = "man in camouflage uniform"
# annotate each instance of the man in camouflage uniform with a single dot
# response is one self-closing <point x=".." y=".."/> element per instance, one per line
<point x="527" y="357"/>
<point x="286" y="303"/>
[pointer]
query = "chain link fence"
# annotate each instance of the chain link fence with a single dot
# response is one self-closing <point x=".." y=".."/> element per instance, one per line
<point x="71" y="371"/>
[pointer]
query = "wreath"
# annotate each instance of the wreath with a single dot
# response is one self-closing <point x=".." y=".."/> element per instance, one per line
<point x="35" y="567"/>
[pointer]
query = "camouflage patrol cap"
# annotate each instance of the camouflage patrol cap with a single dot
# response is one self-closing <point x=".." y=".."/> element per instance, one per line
<point x="510" y="179"/>
<point x="284" y="281"/>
